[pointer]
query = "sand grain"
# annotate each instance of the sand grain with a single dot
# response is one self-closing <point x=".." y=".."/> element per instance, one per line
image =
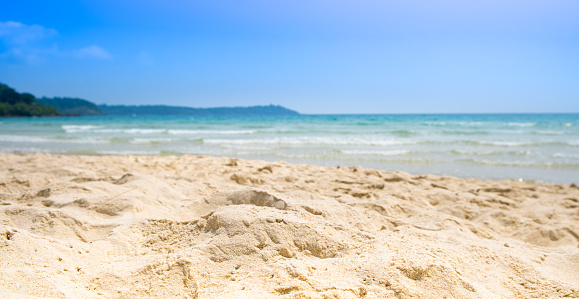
<point x="205" y="227"/>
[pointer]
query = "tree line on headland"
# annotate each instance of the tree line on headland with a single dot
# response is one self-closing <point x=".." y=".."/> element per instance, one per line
<point x="14" y="104"/>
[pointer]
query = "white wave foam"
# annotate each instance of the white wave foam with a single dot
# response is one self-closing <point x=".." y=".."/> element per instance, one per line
<point x="249" y="147"/>
<point x="566" y="155"/>
<point x="150" y="140"/>
<point x="311" y="141"/>
<point x="505" y="143"/>
<point x="490" y="153"/>
<point x="78" y="128"/>
<point x="435" y="123"/>
<point x="456" y="123"/>
<point x="132" y="131"/>
<point x="35" y="139"/>
<point x="527" y="164"/>
<point x="211" y="132"/>
<point x="549" y="132"/>
<point x="378" y="153"/>
<point x="477" y="123"/>
<point x="82" y="140"/>
<point x="515" y="124"/>
<point x="21" y="138"/>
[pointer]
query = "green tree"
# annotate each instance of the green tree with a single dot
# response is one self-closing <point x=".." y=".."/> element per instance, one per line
<point x="13" y="103"/>
<point x="3" y="109"/>
<point x="8" y="95"/>
<point x="21" y="109"/>
<point x="27" y="98"/>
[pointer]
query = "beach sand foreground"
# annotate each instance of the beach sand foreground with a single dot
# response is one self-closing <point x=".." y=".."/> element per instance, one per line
<point x="207" y="227"/>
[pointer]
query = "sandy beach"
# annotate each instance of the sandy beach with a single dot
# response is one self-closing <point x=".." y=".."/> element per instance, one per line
<point x="207" y="227"/>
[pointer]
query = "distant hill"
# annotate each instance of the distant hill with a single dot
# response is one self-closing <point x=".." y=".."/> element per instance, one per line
<point x="13" y="103"/>
<point x="176" y="110"/>
<point x="72" y="106"/>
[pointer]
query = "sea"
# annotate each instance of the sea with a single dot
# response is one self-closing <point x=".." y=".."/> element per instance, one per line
<point x="530" y="147"/>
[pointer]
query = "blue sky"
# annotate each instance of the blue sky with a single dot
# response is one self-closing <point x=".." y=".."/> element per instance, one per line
<point x="313" y="56"/>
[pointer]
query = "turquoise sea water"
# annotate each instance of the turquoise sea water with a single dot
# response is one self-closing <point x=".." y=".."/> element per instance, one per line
<point x="539" y="147"/>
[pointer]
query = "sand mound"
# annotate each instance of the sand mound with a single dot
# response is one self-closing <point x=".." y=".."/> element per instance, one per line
<point x="261" y="199"/>
<point x="202" y="227"/>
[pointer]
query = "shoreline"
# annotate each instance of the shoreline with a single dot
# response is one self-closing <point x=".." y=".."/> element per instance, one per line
<point x="89" y="153"/>
<point x="536" y="148"/>
<point x="208" y="227"/>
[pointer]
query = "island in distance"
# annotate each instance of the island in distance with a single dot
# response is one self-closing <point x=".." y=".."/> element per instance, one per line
<point x="13" y="104"/>
<point x="73" y="106"/>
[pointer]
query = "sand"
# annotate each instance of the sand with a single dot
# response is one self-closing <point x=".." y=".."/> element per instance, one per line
<point x="207" y="227"/>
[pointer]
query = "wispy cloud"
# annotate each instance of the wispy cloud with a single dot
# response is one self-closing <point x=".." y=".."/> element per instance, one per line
<point x="15" y="33"/>
<point x="93" y="51"/>
<point x="33" y="44"/>
<point x="28" y="55"/>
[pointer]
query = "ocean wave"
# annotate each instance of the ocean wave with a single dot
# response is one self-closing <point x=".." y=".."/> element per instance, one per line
<point x="496" y="143"/>
<point x="404" y="133"/>
<point x="505" y="143"/>
<point x="85" y="140"/>
<point x="250" y="147"/>
<point x="118" y="140"/>
<point x="21" y="138"/>
<point x="79" y="128"/>
<point x="377" y="153"/>
<point x="151" y="140"/>
<point x="518" y="143"/>
<point x="477" y="123"/>
<point x="566" y="155"/>
<point x="211" y="132"/>
<point x="285" y="131"/>
<point x="137" y="131"/>
<point x="523" y="125"/>
<point x="455" y="123"/>
<point x="434" y="123"/>
<point x="548" y="132"/>
<point x="491" y="153"/>
<point x="132" y="131"/>
<point x="527" y="164"/>
<point x="311" y="141"/>
<point x="454" y="132"/>
<point x="36" y="139"/>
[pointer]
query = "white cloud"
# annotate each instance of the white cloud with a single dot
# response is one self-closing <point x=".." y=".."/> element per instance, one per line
<point x="93" y="51"/>
<point x="18" y="54"/>
<point x="33" y="44"/>
<point x="15" y="33"/>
